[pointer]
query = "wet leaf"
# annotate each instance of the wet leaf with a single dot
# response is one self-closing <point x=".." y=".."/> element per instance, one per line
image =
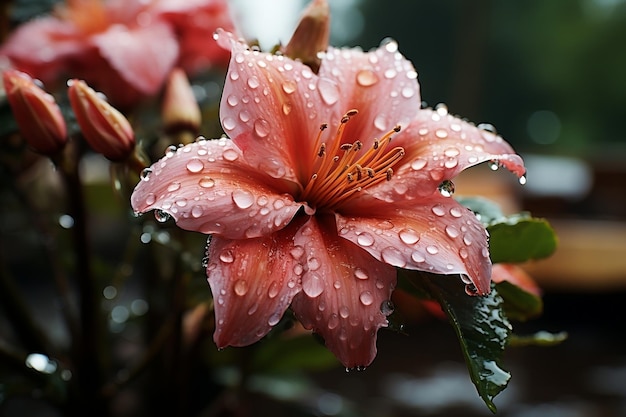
<point x="519" y="304"/>
<point x="541" y="338"/>
<point x="486" y="210"/>
<point x="481" y="327"/>
<point x="521" y="238"/>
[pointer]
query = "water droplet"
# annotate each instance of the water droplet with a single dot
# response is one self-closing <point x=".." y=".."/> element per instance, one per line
<point x="273" y="290"/>
<point x="441" y="133"/>
<point x="467" y="239"/>
<point x="408" y="92"/>
<point x="150" y="199"/>
<point x="197" y="211"/>
<point x="145" y="174"/>
<point x="494" y="165"/>
<point x="409" y="236"/>
<point x="463" y="253"/>
<point x="161" y="216"/>
<point x="313" y="264"/>
<point x="418" y="164"/>
<point x="393" y="257"/>
<point x="227" y="256"/>
<point x="261" y="128"/>
<point x="195" y="165"/>
<point x="441" y="109"/>
<point x="312" y="284"/>
<point x="289" y="86"/>
<point x="417" y="257"/>
<point x="170" y="151"/>
<point x="274" y="319"/>
<point x="432" y="249"/>
<point x="366" y="298"/>
<point x="329" y="91"/>
<point x="229" y="123"/>
<point x="522" y="180"/>
<point x="452" y="231"/>
<point x="360" y="274"/>
<point x="253" y="82"/>
<point x="333" y="321"/>
<point x="232" y="100"/>
<point x="470" y="289"/>
<point x="446" y="188"/>
<point x="173" y="187"/>
<point x="230" y="155"/>
<point x="438" y="210"/>
<point x="241" y="287"/>
<point x="243" y="199"/>
<point x="344" y="312"/>
<point x="390" y="73"/>
<point x="287" y="108"/>
<point x="244" y="116"/>
<point x="297" y="252"/>
<point x="488" y="127"/>
<point x="451" y="163"/>
<point x="387" y="307"/>
<point x="365" y="239"/>
<point x="390" y="45"/>
<point x="456" y="212"/>
<point x="206" y="182"/>
<point x="366" y="78"/>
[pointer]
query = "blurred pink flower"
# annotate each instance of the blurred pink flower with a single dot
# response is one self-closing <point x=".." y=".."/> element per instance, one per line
<point x="124" y="48"/>
<point x="313" y="204"/>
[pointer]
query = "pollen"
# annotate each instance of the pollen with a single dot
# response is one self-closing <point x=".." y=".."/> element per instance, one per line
<point x="343" y="168"/>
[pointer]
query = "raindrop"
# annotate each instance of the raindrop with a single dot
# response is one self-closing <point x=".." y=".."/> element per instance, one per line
<point x="456" y="212"/>
<point x="438" y="210"/>
<point x="366" y="78"/>
<point x="441" y="109"/>
<point x="467" y="239"/>
<point x="170" y="151"/>
<point x="487" y="127"/>
<point x="452" y="231"/>
<point x="206" y="182"/>
<point x="274" y="319"/>
<point x="441" y="133"/>
<point x="329" y="91"/>
<point x="173" y="187"/>
<point x="494" y="165"/>
<point x="522" y="180"/>
<point x="229" y="123"/>
<point x="195" y="165"/>
<point x="333" y="321"/>
<point x="365" y="239"/>
<point x="408" y="92"/>
<point x="289" y="86"/>
<point x="161" y="216"/>
<point x="366" y="298"/>
<point x="446" y="188"/>
<point x="393" y="257"/>
<point x="145" y="174"/>
<point x="417" y="257"/>
<point x="390" y="73"/>
<point x="360" y="274"/>
<point x="241" y="287"/>
<point x="197" y="212"/>
<point x="272" y="292"/>
<point x="261" y="128"/>
<point x="230" y="155"/>
<point x="286" y="108"/>
<point x="387" y="307"/>
<point x="227" y="256"/>
<point x="243" y="199"/>
<point x="41" y="363"/>
<point x="463" y="253"/>
<point x="232" y="100"/>
<point x="312" y="284"/>
<point x="253" y="82"/>
<point x="344" y="312"/>
<point x="409" y="236"/>
<point x="432" y="249"/>
<point x="418" y="164"/>
<point x="390" y="45"/>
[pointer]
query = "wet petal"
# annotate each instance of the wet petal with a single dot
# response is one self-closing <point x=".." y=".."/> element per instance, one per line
<point x="253" y="282"/>
<point x="435" y="235"/>
<point x="381" y="85"/>
<point x="143" y="55"/>
<point x="208" y="187"/>
<point x="438" y="147"/>
<point x="343" y="289"/>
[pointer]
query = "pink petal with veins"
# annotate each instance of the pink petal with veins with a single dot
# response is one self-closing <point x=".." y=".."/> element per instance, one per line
<point x="208" y="187"/>
<point x="435" y="234"/>
<point x="343" y="289"/>
<point x="253" y="282"/>
<point x="133" y="52"/>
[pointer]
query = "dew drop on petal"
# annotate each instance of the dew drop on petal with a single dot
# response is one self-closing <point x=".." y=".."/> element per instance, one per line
<point x="197" y="211"/>
<point x="393" y="257"/>
<point x="446" y="188"/>
<point x="441" y="133"/>
<point x="273" y="290"/>
<point x="360" y="274"/>
<point x="227" y="256"/>
<point x="312" y="284"/>
<point x="409" y="236"/>
<point x="438" y="210"/>
<point x="150" y="199"/>
<point x="418" y="164"/>
<point x="161" y="216"/>
<point x="195" y="165"/>
<point x="240" y="287"/>
<point x="456" y="212"/>
<point x="206" y="182"/>
<point x="289" y="86"/>
<point x="417" y="257"/>
<point x="366" y="78"/>
<point x="452" y="231"/>
<point x="366" y="298"/>
<point x="173" y="187"/>
<point x="261" y="128"/>
<point x="365" y="239"/>
<point x="432" y="249"/>
<point x="230" y="155"/>
<point x="463" y="253"/>
<point x="232" y="100"/>
<point x="229" y="123"/>
<point x="253" y="82"/>
<point x="329" y="91"/>
<point x="243" y="199"/>
<point x="333" y="321"/>
<point x="387" y="307"/>
<point x="522" y="180"/>
<point x="408" y="92"/>
<point x="274" y="319"/>
<point x="145" y="174"/>
<point x="344" y="312"/>
<point x="286" y="108"/>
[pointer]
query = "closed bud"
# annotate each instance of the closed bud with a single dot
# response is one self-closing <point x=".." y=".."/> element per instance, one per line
<point x="106" y="130"/>
<point x="311" y="36"/>
<point x="38" y="117"/>
<point x="180" y="109"/>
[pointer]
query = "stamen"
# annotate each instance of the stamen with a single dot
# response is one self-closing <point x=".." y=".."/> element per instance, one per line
<point x="336" y="179"/>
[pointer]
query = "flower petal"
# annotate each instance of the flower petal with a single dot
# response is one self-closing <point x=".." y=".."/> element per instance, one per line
<point x="438" y="147"/>
<point x="253" y="282"/>
<point x="435" y="235"/>
<point x="208" y="187"/>
<point x="143" y="55"/>
<point x="343" y="289"/>
<point x="381" y="85"/>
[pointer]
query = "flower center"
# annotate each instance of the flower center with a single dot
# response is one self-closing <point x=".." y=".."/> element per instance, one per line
<point x="89" y="16"/>
<point x="343" y="169"/>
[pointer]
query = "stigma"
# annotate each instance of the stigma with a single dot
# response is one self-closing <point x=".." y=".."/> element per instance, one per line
<point x="343" y="169"/>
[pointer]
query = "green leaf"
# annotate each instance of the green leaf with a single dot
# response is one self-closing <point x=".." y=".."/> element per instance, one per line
<point x="486" y="210"/>
<point x="481" y="327"/>
<point x="521" y="238"/>
<point x="519" y="304"/>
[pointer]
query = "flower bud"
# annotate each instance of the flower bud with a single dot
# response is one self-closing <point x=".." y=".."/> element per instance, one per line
<point x="180" y="109"/>
<point x="106" y="130"/>
<point x="311" y="36"/>
<point x="38" y="117"/>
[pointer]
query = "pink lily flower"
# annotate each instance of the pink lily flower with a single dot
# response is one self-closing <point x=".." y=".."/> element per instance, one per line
<point x="329" y="182"/>
<point x="124" y="48"/>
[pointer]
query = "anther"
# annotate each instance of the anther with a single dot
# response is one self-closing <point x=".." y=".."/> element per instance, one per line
<point x="346" y="147"/>
<point x="323" y="126"/>
<point x="352" y="112"/>
<point x="376" y="144"/>
<point x="389" y="174"/>
<point x="357" y="145"/>
<point x="322" y="150"/>
<point x="397" y="128"/>
<point x="350" y="177"/>
<point x="370" y="172"/>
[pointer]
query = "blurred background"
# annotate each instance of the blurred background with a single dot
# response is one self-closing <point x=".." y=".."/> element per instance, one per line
<point x="551" y="77"/>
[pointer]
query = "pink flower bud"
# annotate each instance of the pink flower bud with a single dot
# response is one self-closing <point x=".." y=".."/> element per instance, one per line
<point x="311" y="36"/>
<point x="180" y="109"/>
<point x="106" y="130"/>
<point x="37" y="115"/>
